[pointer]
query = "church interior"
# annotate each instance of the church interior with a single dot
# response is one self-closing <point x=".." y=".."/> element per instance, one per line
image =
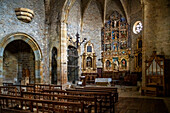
<point x="84" y="56"/>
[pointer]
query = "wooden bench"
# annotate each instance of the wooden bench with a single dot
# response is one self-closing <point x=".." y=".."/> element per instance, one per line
<point x="39" y="87"/>
<point x="107" y="89"/>
<point x="9" y="90"/>
<point x="151" y="91"/>
<point x="88" y="101"/>
<point x="104" y="99"/>
<point x="36" y="105"/>
<point x="108" y="99"/>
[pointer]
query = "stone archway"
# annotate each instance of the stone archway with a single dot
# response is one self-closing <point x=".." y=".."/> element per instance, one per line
<point x="31" y="42"/>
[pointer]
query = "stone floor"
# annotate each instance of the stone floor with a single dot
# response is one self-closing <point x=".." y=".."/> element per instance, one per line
<point x="140" y="105"/>
<point x="131" y="101"/>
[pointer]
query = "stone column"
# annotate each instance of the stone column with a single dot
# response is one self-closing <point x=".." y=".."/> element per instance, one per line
<point x="63" y="55"/>
<point x="37" y="72"/>
<point x="156" y="33"/>
<point x="1" y="70"/>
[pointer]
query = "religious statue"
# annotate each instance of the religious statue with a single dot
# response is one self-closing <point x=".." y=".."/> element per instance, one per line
<point x="108" y="64"/>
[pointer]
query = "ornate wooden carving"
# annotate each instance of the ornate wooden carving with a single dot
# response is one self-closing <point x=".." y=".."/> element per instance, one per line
<point x="115" y="44"/>
<point x="89" y="59"/>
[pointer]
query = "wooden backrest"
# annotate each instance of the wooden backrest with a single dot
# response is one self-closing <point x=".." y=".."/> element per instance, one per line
<point x="9" y="90"/>
<point x="40" y="105"/>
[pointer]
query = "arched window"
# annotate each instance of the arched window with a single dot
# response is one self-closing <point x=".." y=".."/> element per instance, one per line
<point x="89" y="49"/>
<point x="137" y="27"/>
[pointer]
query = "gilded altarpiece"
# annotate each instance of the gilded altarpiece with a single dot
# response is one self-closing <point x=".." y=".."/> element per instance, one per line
<point x="89" y="59"/>
<point x="115" y="53"/>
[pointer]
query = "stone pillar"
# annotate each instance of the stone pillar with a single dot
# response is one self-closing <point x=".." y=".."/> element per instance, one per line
<point x="37" y="72"/>
<point x="63" y="55"/>
<point x="1" y="70"/>
<point x="156" y="33"/>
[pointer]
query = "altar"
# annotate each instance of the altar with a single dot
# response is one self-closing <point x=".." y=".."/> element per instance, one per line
<point x="103" y="81"/>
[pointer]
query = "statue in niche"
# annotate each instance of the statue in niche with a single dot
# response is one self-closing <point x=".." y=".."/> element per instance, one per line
<point x="115" y="63"/>
<point x="115" y="22"/>
<point x="124" y="64"/>
<point x="25" y="76"/>
<point x="108" y="64"/>
<point x="89" y="62"/>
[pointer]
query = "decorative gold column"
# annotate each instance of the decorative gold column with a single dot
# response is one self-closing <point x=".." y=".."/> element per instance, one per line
<point x="94" y="61"/>
<point x="84" y="62"/>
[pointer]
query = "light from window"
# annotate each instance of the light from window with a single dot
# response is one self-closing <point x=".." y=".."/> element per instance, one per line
<point x="137" y="27"/>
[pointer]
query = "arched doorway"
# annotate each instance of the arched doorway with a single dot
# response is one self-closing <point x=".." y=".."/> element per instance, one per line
<point x="54" y="66"/>
<point x="72" y="66"/>
<point x="19" y="63"/>
<point x="33" y="45"/>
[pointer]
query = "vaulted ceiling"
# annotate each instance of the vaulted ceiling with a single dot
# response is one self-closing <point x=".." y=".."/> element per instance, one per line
<point x="103" y="5"/>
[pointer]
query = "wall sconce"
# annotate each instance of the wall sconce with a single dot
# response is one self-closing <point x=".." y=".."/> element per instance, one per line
<point x="77" y="42"/>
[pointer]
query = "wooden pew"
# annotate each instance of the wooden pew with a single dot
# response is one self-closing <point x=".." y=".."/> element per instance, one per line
<point x="9" y="90"/>
<point x="104" y="99"/>
<point x="40" y="87"/>
<point x="36" y="105"/>
<point x="88" y="101"/>
<point x="110" y="100"/>
<point x="112" y="89"/>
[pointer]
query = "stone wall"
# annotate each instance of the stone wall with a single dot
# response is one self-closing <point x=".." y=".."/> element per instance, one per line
<point x="54" y="35"/>
<point x="156" y="30"/>
<point x="36" y="28"/>
<point x="73" y="21"/>
<point x="92" y="24"/>
<point x="135" y="15"/>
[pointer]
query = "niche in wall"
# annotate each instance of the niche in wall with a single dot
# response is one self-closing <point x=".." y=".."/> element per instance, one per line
<point x="18" y="63"/>
<point x="54" y="66"/>
<point x="89" y="59"/>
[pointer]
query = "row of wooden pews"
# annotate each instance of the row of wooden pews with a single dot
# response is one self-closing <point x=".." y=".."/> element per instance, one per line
<point x="52" y="99"/>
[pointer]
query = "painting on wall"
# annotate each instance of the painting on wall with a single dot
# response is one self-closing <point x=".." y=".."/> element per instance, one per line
<point x="89" y="49"/>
